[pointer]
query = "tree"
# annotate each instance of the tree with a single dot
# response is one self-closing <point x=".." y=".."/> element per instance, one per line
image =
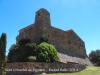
<point x="17" y="53"/>
<point x="21" y="50"/>
<point x="46" y="52"/>
<point x="31" y="49"/>
<point x="2" y="53"/>
<point x="94" y="57"/>
<point x="13" y="51"/>
<point x="3" y="45"/>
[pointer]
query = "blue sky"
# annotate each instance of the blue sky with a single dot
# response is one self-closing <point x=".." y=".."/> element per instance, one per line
<point x="83" y="16"/>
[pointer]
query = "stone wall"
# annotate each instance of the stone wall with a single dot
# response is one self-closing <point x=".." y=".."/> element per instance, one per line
<point x="67" y="40"/>
<point x="31" y="32"/>
<point x="26" y="68"/>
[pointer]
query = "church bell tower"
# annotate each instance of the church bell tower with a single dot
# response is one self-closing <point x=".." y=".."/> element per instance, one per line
<point x="42" y="18"/>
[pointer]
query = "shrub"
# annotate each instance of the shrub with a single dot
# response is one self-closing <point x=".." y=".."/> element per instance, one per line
<point x="43" y="39"/>
<point x="31" y="49"/>
<point x="46" y="52"/>
<point x="32" y="58"/>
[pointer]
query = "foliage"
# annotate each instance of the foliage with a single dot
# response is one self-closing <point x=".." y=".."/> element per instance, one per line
<point x="12" y="52"/>
<point x="2" y="53"/>
<point x="6" y="59"/>
<point x="32" y="58"/>
<point x="31" y="48"/>
<point x="21" y="50"/>
<point x="2" y="46"/>
<point x="46" y="53"/>
<point x="43" y="39"/>
<point x="94" y="57"/>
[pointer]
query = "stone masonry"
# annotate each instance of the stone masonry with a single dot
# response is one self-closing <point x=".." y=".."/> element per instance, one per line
<point x="32" y="68"/>
<point x="70" y="47"/>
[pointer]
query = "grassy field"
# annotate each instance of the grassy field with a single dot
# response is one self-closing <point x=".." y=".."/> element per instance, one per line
<point x="90" y="70"/>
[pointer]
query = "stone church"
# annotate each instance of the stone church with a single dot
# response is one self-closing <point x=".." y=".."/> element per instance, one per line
<point x="70" y="47"/>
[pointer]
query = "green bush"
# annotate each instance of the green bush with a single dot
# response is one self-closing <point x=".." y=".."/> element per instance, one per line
<point x="46" y="52"/>
<point x="43" y="39"/>
<point x="31" y="49"/>
<point x="32" y="58"/>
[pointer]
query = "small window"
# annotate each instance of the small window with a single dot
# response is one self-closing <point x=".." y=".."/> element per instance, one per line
<point x="38" y="14"/>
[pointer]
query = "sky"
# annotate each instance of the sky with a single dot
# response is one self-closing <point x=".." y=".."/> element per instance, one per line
<point x="83" y="16"/>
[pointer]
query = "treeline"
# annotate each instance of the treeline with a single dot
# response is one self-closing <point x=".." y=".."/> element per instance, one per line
<point x="2" y="53"/>
<point x="94" y="57"/>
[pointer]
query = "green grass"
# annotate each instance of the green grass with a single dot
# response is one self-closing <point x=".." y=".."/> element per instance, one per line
<point x="90" y="70"/>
